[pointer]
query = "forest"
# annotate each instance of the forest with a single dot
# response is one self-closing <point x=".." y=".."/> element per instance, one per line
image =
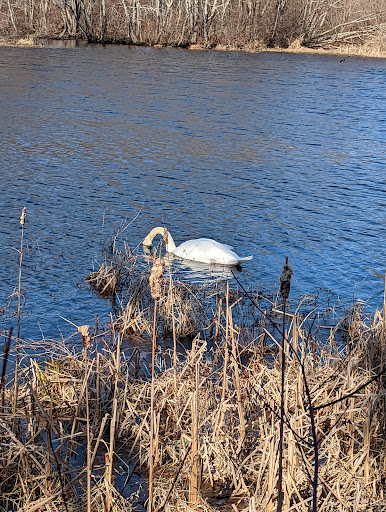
<point x="223" y="24"/>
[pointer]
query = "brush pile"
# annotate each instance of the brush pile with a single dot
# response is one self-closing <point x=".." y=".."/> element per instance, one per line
<point x="75" y="429"/>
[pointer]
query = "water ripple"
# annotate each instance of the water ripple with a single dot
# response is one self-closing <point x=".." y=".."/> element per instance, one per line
<point x="276" y="154"/>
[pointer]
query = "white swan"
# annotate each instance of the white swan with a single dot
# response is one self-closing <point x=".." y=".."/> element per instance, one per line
<point x="204" y="250"/>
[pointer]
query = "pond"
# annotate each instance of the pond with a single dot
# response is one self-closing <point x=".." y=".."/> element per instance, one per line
<point x="276" y="154"/>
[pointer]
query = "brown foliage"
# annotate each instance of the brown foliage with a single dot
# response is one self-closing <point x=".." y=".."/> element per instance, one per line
<point x="209" y="23"/>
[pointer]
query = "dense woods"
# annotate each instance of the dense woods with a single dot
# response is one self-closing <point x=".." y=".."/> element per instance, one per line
<point x="236" y="24"/>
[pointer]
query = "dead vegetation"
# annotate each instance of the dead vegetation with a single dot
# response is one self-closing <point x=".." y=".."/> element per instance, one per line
<point x="79" y="425"/>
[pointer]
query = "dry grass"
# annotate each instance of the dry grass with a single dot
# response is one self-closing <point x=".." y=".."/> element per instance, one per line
<point x="183" y="308"/>
<point x="351" y="432"/>
<point x="44" y="443"/>
<point x="212" y="418"/>
<point x="374" y="46"/>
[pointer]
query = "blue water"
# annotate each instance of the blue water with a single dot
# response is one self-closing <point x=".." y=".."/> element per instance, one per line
<point x="276" y="154"/>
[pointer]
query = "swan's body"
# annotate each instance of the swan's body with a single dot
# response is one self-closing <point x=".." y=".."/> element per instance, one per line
<point x="204" y="250"/>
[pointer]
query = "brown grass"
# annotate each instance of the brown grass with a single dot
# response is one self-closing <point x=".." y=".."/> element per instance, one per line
<point x="373" y="47"/>
<point x="85" y="418"/>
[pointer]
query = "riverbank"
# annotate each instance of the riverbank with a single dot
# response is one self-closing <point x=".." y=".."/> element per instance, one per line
<point x="197" y="428"/>
<point x="372" y="49"/>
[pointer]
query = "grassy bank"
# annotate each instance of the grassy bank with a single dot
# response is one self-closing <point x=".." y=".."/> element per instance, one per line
<point x="95" y="426"/>
<point x="374" y="48"/>
<point x="252" y="25"/>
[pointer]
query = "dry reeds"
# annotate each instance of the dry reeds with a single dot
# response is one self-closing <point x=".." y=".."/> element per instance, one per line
<point x="50" y="461"/>
<point x="210" y="425"/>
<point x="348" y="407"/>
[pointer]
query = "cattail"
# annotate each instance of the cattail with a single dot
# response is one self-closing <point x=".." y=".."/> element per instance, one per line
<point x="22" y="217"/>
<point x="156" y="278"/>
<point x="85" y="333"/>
<point x="22" y="221"/>
<point x="285" y="280"/>
<point x="285" y="285"/>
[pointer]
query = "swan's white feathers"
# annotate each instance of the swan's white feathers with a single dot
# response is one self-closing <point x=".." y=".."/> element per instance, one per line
<point x="204" y="250"/>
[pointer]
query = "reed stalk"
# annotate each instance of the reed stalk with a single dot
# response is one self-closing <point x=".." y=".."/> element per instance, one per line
<point x="194" y="481"/>
<point x="285" y="283"/>
<point x="22" y="222"/>
<point x="113" y="424"/>
<point x="174" y="333"/>
<point x="236" y="370"/>
<point x="84" y="331"/>
<point x="156" y="282"/>
<point x="152" y="429"/>
<point x="6" y="349"/>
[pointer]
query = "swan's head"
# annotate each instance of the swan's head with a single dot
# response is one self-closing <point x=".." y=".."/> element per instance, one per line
<point x="148" y="241"/>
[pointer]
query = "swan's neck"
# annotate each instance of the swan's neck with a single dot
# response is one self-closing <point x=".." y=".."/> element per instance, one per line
<point x="169" y="242"/>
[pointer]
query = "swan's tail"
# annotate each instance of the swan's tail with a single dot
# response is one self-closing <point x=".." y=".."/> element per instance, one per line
<point x="247" y="258"/>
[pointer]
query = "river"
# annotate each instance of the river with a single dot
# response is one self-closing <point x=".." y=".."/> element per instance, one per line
<point x="277" y="154"/>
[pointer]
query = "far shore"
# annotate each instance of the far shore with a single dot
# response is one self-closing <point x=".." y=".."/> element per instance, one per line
<point x="368" y="51"/>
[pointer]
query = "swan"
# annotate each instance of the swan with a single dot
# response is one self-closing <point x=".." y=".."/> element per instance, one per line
<point x="204" y="250"/>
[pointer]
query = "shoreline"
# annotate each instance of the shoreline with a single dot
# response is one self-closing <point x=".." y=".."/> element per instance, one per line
<point x="363" y="51"/>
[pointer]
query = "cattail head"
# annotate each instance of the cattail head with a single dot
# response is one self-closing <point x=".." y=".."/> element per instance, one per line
<point x="285" y="280"/>
<point x="22" y="216"/>
<point x="156" y="278"/>
<point x="85" y="333"/>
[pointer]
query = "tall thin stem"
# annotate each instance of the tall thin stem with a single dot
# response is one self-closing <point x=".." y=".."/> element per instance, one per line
<point x="86" y="338"/>
<point x="174" y="333"/>
<point x="22" y="222"/>
<point x="156" y="282"/>
<point x="281" y="429"/>
<point x="151" y="455"/>
<point x="285" y="284"/>
<point x="6" y="348"/>
<point x="88" y="433"/>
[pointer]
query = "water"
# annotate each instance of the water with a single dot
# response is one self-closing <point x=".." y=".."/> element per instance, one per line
<point x="275" y="154"/>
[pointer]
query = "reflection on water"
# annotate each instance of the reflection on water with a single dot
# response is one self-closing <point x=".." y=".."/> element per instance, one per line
<point x="197" y="272"/>
<point x="274" y="154"/>
<point x="194" y="271"/>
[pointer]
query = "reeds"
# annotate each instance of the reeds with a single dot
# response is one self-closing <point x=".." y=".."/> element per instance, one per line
<point x="54" y="460"/>
<point x="209" y="425"/>
<point x="252" y="470"/>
